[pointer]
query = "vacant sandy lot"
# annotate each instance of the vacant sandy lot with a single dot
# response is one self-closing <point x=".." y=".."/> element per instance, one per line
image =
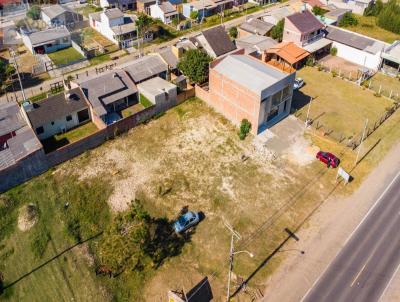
<point x="192" y="157"/>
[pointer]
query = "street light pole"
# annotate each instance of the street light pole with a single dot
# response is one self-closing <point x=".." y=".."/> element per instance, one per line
<point x="17" y="70"/>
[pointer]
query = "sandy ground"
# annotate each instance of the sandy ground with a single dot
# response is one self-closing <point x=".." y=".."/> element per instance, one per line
<point x="27" y="217"/>
<point x="325" y="235"/>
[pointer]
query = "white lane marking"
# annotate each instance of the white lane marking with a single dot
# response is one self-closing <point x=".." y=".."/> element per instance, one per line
<point x="390" y="281"/>
<point x="358" y="275"/>
<point x="365" y="217"/>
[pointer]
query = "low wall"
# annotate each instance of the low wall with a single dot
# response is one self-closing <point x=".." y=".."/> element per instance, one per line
<point x="78" y="48"/>
<point x="26" y="168"/>
<point x="202" y="94"/>
<point x="39" y="162"/>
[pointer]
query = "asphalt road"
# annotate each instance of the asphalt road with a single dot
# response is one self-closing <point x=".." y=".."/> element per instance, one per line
<point x="370" y="257"/>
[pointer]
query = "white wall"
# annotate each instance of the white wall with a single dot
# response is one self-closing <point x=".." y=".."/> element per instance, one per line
<point x="103" y="28"/>
<point x="157" y="13"/>
<point x="46" y="18"/>
<point x="357" y="56"/>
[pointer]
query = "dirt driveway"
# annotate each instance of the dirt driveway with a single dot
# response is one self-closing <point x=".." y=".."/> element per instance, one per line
<point x="340" y="65"/>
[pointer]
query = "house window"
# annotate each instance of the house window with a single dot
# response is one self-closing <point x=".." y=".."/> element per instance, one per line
<point x="39" y="130"/>
<point x="68" y="118"/>
<point x="52" y="123"/>
<point x="83" y="115"/>
<point x="65" y="40"/>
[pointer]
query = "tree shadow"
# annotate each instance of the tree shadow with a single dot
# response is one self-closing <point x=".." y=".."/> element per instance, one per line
<point x="165" y="242"/>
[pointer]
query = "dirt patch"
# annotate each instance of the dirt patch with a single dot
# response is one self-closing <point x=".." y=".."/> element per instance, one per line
<point x="27" y="218"/>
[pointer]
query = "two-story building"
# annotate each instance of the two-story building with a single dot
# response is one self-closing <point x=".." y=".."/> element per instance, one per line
<point x="116" y="27"/>
<point x="121" y="4"/>
<point x="243" y="87"/>
<point x="164" y="11"/>
<point x="306" y="31"/>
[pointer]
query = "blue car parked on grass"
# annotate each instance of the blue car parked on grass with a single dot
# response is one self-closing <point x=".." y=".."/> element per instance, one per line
<point x="186" y="221"/>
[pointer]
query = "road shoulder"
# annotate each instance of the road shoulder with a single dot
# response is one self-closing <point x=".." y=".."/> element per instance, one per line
<point x="327" y="233"/>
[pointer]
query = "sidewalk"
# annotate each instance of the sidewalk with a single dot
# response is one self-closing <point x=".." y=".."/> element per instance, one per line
<point x="326" y="234"/>
<point x="91" y="71"/>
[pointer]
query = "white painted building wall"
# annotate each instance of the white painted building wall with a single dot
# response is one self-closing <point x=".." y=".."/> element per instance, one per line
<point x="104" y="27"/>
<point x="157" y="13"/>
<point x="357" y="56"/>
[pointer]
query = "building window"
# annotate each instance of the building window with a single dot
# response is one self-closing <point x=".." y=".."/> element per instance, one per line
<point x="68" y="118"/>
<point x="52" y="123"/>
<point x="39" y="130"/>
<point x="65" y="40"/>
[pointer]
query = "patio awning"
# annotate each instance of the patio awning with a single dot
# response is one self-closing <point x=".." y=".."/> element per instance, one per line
<point x="317" y="45"/>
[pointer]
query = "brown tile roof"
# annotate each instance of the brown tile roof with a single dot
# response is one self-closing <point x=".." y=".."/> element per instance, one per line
<point x="289" y="51"/>
<point x="305" y="21"/>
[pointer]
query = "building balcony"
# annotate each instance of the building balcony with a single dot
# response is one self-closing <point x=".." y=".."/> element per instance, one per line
<point x="313" y="39"/>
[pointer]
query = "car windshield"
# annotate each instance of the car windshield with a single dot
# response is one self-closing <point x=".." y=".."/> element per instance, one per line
<point x="182" y="220"/>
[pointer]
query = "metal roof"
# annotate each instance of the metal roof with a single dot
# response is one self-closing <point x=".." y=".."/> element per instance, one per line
<point x="56" y="10"/>
<point x="218" y="40"/>
<point x="392" y="53"/>
<point x="168" y="56"/>
<point x="48" y="35"/>
<point x="257" y="26"/>
<point x="255" y="43"/>
<point x="113" y="13"/>
<point x="144" y="68"/>
<point x="249" y="72"/>
<point x="10" y="118"/>
<point x="354" y="40"/>
<point x="155" y="86"/>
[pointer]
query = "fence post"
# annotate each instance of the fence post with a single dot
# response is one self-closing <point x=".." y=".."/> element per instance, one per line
<point x="390" y="96"/>
<point x="369" y="86"/>
<point x="380" y="88"/>
<point x="350" y="78"/>
<point x="340" y="71"/>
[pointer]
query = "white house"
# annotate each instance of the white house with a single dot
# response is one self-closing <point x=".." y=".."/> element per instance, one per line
<point x="116" y="27"/>
<point x="164" y="11"/>
<point x="356" y="48"/>
<point x="357" y="6"/>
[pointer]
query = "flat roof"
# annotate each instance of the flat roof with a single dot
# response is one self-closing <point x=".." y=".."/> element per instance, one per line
<point x="257" y="26"/>
<point x="255" y="43"/>
<point x="155" y="86"/>
<point x="249" y="72"/>
<point x="392" y="53"/>
<point x="144" y="68"/>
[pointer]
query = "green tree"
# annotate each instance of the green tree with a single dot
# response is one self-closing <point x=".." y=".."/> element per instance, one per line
<point x="348" y="19"/>
<point x="318" y="11"/>
<point x="194" y="15"/>
<point x="374" y="8"/>
<point x="277" y="30"/>
<point x="143" y="23"/>
<point x="333" y="51"/>
<point x="389" y="17"/>
<point x="6" y="71"/>
<point x="125" y="241"/>
<point x="34" y="12"/>
<point x="233" y="32"/>
<point x="194" y="65"/>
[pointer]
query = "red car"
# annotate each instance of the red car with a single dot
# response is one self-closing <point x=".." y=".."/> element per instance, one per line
<point x="328" y="158"/>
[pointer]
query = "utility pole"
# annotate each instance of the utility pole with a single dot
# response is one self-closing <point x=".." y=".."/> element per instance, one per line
<point x="362" y="139"/>
<point x="231" y="254"/>
<point x="308" y="112"/>
<point x="12" y="53"/>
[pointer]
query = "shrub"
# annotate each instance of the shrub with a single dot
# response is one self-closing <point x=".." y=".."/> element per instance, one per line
<point x="34" y="12"/>
<point x="194" y="65"/>
<point x="277" y="30"/>
<point x="194" y="15"/>
<point x="310" y="61"/>
<point x="233" y="32"/>
<point x="245" y="127"/>
<point x="318" y="11"/>
<point x="334" y="73"/>
<point x="348" y="19"/>
<point x="333" y="51"/>
<point x="389" y="17"/>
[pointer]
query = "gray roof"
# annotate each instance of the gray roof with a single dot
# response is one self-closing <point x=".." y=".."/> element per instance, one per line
<point x="113" y="13"/>
<point x="169" y="57"/>
<point x="279" y="13"/>
<point x="155" y="86"/>
<point x="147" y="1"/>
<point x="22" y="144"/>
<point x="335" y="13"/>
<point x="124" y="28"/>
<point x="48" y="35"/>
<point x="249" y="72"/>
<point x="107" y="88"/>
<point x="11" y="118"/>
<point x="256" y="26"/>
<point x="305" y="21"/>
<point x="354" y="40"/>
<point x="255" y="43"/>
<point x="56" y="107"/>
<point x="392" y="53"/>
<point x="167" y="8"/>
<point x="218" y="40"/>
<point x="144" y="68"/>
<point x="56" y="10"/>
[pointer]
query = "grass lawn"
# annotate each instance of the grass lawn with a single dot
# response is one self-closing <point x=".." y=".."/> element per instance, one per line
<point x="68" y="137"/>
<point x="88" y="9"/>
<point x="65" y="56"/>
<point x="145" y="101"/>
<point x="189" y="157"/>
<point x="132" y="110"/>
<point x="367" y="26"/>
<point x="386" y="84"/>
<point x="339" y="105"/>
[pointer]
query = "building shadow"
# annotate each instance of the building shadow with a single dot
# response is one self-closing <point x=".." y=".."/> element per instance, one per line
<point x="299" y="100"/>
